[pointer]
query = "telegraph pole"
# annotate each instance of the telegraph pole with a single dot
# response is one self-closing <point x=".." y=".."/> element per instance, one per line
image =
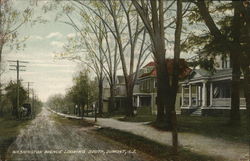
<point x="29" y="84"/>
<point x="33" y="103"/>
<point x="17" y="69"/>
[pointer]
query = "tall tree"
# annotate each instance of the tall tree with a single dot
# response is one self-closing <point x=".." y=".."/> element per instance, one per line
<point x="97" y="48"/>
<point x="11" y="20"/>
<point x="176" y="72"/>
<point x="245" y="61"/>
<point x="225" y="40"/>
<point x="152" y="14"/>
<point x="83" y="91"/>
<point x="11" y="95"/>
<point x="129" y="37"/>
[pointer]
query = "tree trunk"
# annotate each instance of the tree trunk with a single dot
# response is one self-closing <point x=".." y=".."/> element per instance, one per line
<point x="235" y="95"/>
<point x="246" y="72"/>
<point x="1" y="69"/>
<point x="129" y="102"/>
<point x="155" y="28"/>
<point x="245" y="62"/>
<point x="79" y="111"/>
<point x="235" y="54"/>
<point x="112" y="99"/>
<point x="1" y="51"/>
<point x="175" y="75"/>
<point x="162" y="92"/>
<point x="100" y="97"/>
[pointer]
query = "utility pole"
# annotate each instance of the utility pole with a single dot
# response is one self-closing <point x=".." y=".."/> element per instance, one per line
<point x="17" y="69"/>
<point x="33" y="103"/>
<point x="29" y="84"/>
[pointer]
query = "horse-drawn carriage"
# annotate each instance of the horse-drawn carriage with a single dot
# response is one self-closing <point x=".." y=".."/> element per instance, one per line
<point x="25" y="111"/>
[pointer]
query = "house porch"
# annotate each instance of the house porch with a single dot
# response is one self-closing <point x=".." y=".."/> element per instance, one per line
<point x="205" y="97"/>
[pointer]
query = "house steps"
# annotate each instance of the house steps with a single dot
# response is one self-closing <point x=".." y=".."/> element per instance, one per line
<point x="197" y="112"/>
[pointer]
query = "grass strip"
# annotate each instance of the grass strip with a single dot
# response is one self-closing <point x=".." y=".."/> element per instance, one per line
<point x="9" y="130"/>
<point x="160" y="151"/>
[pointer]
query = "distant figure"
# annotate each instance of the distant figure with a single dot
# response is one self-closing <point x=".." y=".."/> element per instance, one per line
<point x="27" y="106"/>
<point x="76" y="107"/>
<point x="22" y="112"/>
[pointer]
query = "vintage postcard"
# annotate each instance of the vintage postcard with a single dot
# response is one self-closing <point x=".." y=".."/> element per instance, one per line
<point x="124" y="80"/>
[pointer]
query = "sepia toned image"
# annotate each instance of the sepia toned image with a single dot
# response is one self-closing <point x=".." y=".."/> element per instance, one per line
<point x="124" y="80"/>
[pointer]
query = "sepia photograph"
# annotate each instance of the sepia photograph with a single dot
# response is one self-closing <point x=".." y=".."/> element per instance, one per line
<point x="124" y="80"/>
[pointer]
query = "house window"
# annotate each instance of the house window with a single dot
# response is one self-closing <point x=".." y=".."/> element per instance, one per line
<point x="155" y="84"/>
<point x="225" y="63"/>
<point x="222" y="90"/>
<point x="141" y="86"/>
<point x="148" y="84"/>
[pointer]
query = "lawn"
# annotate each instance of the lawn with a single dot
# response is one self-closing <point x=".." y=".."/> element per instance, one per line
<point x="215" y="127"/>
<point x="157" y="150"/>
<point x="207" y="126"/>
<point x="9" y="130"/>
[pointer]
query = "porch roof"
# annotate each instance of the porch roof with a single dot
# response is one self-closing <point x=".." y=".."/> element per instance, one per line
<point x="223" y="73"/>
<point x="200" y="75"/>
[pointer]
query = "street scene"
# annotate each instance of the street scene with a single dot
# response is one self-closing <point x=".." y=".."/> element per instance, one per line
<point x="115" y="80"/>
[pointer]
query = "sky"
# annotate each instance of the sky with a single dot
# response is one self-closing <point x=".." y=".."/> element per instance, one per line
<point x="50" y="75"/>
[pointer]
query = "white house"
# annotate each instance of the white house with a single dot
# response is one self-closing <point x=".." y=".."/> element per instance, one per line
<point x="206" y="93"/>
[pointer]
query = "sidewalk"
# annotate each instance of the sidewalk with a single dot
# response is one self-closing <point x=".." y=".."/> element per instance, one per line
<point x="231" y="151"/>
<point x="197" y="143"/>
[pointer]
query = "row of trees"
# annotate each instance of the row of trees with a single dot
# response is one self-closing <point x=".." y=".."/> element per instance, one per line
<point x="9" y="100"/>
<point x="78" y="98"/>
<point x="123" y="33"/>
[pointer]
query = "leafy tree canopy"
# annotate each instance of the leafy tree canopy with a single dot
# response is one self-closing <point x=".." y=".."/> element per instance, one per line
<point x="11" y="93"/>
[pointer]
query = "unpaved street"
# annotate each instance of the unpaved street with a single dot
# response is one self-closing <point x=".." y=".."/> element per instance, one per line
<point x="47" y="140"/>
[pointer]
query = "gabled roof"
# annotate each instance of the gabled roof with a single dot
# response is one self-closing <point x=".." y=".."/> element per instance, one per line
<point x="196" y="73"/>
<point x="223" y="73"/>
<point x="184" y="69"/>
<point x="202" y="74"/>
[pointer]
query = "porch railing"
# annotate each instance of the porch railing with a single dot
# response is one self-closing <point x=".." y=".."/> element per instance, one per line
<point x="226" y="102"/>
<point x="193" y="103"/>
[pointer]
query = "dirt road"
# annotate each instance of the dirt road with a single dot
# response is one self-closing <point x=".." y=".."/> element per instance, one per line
<point x="47" y="140"/>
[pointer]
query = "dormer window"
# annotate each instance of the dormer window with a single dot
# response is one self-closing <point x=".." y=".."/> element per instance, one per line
<point x="225" y="63"/>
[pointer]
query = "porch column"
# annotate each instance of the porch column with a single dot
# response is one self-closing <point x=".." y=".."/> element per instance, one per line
<point x="197" y="95"/>
<point x="182" y="95"/>
<point x="138" y="101"/>
<point x="190" y="95"/>
<point x="204" y="95"/>
<point x="211" y="94"/>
